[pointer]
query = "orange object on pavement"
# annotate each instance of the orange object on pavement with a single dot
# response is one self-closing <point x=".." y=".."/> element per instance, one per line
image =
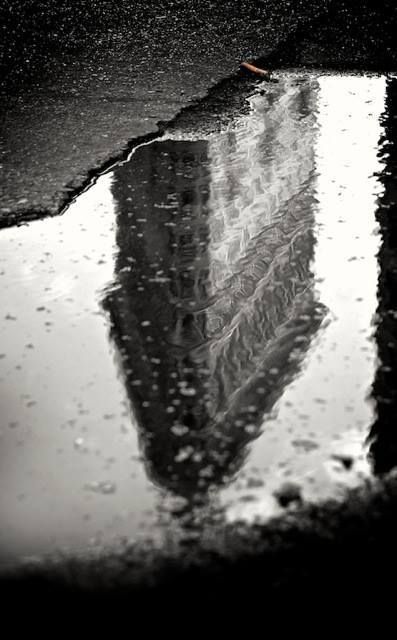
<point x="259" y="72"/>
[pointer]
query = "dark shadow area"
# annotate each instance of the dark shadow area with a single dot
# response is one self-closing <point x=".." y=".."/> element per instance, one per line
<point x="384" y="431"/>
<point x="328" y="566"/>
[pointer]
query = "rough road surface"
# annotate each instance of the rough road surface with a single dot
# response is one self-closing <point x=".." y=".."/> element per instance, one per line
<point x="80" y="83"/>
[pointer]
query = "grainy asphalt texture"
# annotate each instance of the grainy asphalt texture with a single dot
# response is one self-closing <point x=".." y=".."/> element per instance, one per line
<point x="79" y="84"/>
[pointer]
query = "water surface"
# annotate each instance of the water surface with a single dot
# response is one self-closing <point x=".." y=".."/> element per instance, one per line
<point x="197" y="329"/>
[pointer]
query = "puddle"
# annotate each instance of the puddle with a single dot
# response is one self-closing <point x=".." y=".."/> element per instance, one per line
<point x="197" y="330"/>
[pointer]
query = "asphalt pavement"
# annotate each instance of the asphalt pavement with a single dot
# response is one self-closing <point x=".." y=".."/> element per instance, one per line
<point x="76" y="97"/>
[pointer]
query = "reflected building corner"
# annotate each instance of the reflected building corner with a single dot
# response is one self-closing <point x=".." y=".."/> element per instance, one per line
<point x="213" y="305"/>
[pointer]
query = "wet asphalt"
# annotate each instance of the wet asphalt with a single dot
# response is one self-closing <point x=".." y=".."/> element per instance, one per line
<point x="74" y="97"/>
<point x="67" y="114"/>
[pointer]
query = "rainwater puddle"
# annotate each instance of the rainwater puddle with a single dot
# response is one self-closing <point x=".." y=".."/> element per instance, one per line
<point x="197" y="328"/>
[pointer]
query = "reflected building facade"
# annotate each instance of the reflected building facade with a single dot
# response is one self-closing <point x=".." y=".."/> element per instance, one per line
<point x="213" y="304"/>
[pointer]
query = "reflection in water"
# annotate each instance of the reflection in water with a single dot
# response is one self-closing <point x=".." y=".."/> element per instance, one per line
<point x="213" y="304"/>
<point x="214" y="318"/>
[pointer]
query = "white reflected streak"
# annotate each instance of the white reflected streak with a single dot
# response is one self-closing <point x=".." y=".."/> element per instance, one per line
<point x="58" y="384"/>
<point x="345" y="263"/>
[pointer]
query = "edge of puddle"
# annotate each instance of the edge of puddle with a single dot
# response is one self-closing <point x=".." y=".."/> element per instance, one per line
<point x="222" y="102"/>
<point x="307" y="552"/>
<point x="210" y="99"/>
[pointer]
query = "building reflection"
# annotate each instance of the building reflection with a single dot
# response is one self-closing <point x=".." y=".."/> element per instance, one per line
<point x="384" y="431"/>
<point x="212" y="307"/>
